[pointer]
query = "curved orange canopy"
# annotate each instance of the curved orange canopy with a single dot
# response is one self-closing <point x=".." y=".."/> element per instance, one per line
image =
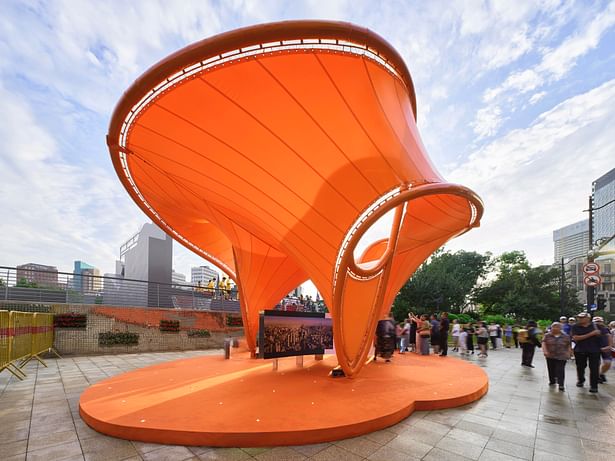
<point x="270" y="150"/>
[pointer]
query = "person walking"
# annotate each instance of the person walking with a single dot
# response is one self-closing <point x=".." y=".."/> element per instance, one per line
<point x="606" y="343"/>
<point x="556" y="346"/>
<point x="515" y="331"/>
<point x="483" y="339"/>
<point x="529" y="345"/>
<point x="508" y="336"/>
<point x="493" y="335"/>
<point x="444" y="327"/>
<point x="470" y="341"/>
<point x="456" y="335"/>
<point x="587" y="350"/>
<point x="565" y="327"/>
<point x="463" y="342"/>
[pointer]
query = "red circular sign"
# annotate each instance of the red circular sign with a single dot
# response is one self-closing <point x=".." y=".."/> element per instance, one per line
<point x="591" y="268"/>
<point x="592" y="280"/>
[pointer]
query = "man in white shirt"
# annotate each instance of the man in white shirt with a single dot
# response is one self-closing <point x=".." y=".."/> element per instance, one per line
<point x="456" y="331"/>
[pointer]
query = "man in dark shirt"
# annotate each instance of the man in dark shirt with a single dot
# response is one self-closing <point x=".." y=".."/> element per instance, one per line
<point x="444" y="325"/>
<point x="587" y="349"/>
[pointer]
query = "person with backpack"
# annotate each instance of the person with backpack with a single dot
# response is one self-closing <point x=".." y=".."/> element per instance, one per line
<point x="529" y="342"/>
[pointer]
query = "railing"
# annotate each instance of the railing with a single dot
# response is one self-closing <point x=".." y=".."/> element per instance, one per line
<point x="42" y="286"/>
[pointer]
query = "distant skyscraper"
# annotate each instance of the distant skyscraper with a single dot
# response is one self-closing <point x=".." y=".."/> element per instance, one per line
<point x="571" y="241"/>
<point x="148" y="256"/>
<point x="38" y="273"/>
<point x="202" y="275"/>
<point x="86" y="278"/>
<point x="603" y="192"/>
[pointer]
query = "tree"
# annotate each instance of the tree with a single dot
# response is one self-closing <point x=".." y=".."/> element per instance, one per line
<point x="23" y="283"/>
<point x="445" y="282"/>
<point x="525" y="292"/>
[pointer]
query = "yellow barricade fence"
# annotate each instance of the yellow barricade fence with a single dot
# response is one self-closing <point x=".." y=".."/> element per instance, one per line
<point x="5" y="346"/>
<point x="42" y="337"/>
<point x="24" y="336"/>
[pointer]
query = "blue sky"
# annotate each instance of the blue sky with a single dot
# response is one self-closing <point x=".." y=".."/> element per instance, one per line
<point x="516" y="99"/>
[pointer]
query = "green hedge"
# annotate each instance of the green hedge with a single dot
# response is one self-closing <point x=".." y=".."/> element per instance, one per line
<point x="113" y="338"/>
<point x="199" y="334"/>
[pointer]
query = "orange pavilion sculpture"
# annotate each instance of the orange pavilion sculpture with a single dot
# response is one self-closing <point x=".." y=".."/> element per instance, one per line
<point x="271" y="150"/>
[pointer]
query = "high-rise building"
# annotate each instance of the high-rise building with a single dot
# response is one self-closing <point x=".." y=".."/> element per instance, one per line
<point x="571" y="241"/>
<point x="201" y="275"/>
<point x="38" y="273"/>
<point x="86" y="278"/>
<point x="148" y="256"/>
<point x="603" y="198"/>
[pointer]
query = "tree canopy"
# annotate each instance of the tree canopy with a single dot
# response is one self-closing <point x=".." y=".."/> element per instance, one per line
<point x="471" y="282"/>
<point x="444" y="282"/>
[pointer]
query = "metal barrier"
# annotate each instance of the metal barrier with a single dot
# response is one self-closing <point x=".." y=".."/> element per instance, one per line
<point x="24" y="336"/>
<point x="42" y="338"/>
<point x="5" y="346"/>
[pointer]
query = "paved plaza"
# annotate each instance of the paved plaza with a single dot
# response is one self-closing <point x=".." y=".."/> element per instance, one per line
<point x="520" y="418"/>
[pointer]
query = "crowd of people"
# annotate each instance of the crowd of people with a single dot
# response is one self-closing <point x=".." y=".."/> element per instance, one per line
<point x="585" y="340"/>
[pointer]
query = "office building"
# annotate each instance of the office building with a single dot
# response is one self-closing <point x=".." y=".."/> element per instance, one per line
<point x="147" y="256"/>
<point x="571" y="241"/>
<point x="86" y="278"/>
<point x="201" y="275"/>
<point x="38" y="273"/>
<point x="603" y="198"/>
<point x="178" y="280"/>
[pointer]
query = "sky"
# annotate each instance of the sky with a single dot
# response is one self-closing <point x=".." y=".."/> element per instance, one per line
<point x="516" y="100"/>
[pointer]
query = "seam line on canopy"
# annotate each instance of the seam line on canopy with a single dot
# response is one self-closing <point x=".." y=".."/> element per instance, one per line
<point x="281" y="140"/>
<point x="320" y="127"/>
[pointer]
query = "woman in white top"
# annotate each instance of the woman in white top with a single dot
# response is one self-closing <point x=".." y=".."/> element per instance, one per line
<point x="456" y="332"/>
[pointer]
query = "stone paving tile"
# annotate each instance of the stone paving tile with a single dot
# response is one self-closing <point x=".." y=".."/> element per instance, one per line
<point x="521" y="417"/>
<point x="171" y="453"/>
<point x="280" y="454"/>
<point x="311" y="450"/>
<point x="361" y="446"/>
<point x="225" y="454"/>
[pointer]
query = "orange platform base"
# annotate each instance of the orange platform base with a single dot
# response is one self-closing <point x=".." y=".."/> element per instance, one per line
<point x="243" y="402"/>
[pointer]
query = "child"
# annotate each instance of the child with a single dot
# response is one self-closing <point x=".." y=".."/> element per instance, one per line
<point x="463" y="342"/>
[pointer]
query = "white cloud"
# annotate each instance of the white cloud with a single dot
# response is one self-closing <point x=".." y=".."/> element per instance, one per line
<point x="52" y="211"/>
<point x="537" y="97"/>
<point x="488" y="121"/>
<point x="536" y="179"/>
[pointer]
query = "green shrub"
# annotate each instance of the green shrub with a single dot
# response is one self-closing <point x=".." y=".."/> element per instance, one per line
<point x="234" y="321"/>
<point x="199" y="334"/>
<point x="114" y="338"/>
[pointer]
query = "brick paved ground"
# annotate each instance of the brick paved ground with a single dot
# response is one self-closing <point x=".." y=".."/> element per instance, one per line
<point x="520" y="418"/>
